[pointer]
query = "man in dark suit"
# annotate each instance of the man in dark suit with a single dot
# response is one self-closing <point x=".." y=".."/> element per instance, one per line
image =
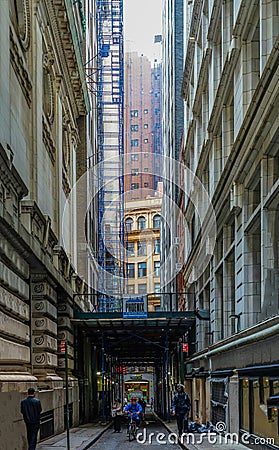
<point x="31" y="409"/>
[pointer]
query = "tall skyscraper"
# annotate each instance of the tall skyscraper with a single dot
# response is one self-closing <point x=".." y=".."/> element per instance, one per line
<point x="139" y="180"/>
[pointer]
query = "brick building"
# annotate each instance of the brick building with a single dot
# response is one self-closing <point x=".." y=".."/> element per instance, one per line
<point x="139" y="136"/>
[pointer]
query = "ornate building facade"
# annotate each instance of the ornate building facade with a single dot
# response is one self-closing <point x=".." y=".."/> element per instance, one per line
<point x="45" y="141"/>
<point x="142" y="223"/>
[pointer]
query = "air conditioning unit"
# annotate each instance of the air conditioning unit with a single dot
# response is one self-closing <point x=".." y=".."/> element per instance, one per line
<point x="178" y="266"/>
<point x="176" y="241"/>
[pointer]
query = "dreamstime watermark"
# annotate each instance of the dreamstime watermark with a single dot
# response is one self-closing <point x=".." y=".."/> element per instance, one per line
<point x="91" y="186"/>
<point x="211" y="437"/>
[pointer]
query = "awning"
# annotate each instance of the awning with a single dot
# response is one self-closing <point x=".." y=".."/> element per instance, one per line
<point x="137" y="340"/>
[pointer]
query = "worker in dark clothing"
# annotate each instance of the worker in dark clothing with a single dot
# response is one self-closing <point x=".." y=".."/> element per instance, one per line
<point x="31" y="410"/>
<point x="180" y="408"/>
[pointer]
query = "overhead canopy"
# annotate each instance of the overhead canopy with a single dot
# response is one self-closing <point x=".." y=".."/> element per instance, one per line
<point x="137" y="340"/>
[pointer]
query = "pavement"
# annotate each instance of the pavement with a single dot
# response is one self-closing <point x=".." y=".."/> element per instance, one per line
<point x="197" y="441"/>
<point x="81" y="438"/>
<point x="146" y="438"/>
<point x="97" y="436"/>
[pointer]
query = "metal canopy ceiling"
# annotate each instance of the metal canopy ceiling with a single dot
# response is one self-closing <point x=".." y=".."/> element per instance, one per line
<point x="136" y="340"/>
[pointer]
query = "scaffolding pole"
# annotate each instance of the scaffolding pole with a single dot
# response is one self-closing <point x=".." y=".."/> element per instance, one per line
<point x="110" y="132"/>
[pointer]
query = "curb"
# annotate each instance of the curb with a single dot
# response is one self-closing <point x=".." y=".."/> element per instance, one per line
<point x="170" y="431"/>
<point x="95" y="438"/>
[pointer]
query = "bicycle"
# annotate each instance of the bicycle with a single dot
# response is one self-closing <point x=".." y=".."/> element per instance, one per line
<point x="132" y="428"/>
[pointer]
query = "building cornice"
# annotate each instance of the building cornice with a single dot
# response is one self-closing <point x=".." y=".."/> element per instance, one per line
<point x="62" y="22"/>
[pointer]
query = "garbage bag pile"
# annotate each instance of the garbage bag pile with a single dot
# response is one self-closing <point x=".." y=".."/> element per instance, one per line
<point x="196" y="427"/>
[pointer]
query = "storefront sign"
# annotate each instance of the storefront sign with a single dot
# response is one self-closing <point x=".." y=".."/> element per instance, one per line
<point x="185" y="348"/>
<point x="135" y="308"/>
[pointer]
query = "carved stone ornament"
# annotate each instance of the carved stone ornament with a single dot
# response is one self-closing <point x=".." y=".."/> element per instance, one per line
<point x="39" y="340"/>
<point x="21" y="12"/>
<point x="40" y="358"/>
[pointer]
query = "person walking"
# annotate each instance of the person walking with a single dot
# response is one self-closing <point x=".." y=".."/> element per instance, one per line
<point x="180" y="408"/>
<point x="116" y="413"/>
<point x="31" y="409"/>
<point x="142" y="403"/>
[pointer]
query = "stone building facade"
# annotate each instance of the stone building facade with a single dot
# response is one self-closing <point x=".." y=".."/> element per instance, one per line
<point x="142" y="223"/>
<point x="230" y="89"/>
<point x="44" y="107"/>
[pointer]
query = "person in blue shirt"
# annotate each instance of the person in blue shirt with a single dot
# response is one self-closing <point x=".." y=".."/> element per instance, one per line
<point x="135" y="410"/>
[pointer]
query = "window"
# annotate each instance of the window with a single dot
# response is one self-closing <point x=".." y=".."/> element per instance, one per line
<point x="145" y="184"/>
<point x="145" y="126"/>
<point x="141" y="223"/>
<point x="146" y="155"/>
<point x="134" y="113"/>
<point x="145" y="111"/>
<point x="145" y="169"/>
<point x="156" y="221"/>
<point x="131" y="289"/>
<point x="131" y="270"/>
<point x="157" y="246"/>
<point x="157" y="268"/>
<point x="134" y="157"/>
<point x="141" y="270"/>
<point x="146" y="141"/>
<point x="134" y="186"/>
<point x="141" y="248"/>
<point x="134" y="143"/>
<point x="157" y="287"/>
<point x="130" y="248"/>
<point x="142" y="289"/>
<point x="135" y="171"/>
<point x="134" y="128"/>
<point x="129" y="224"/>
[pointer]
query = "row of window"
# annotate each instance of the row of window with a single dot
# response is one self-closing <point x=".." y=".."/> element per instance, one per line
<point x="142" y="288"/>
<point x="135" y="127"/>
<point x="135" y="142"/>
<point x="142" y="269"/>
<point x="135" y="112"/>
<point x="141" y="222"/>
<point x="135" y="186"/>
<point x="135" y="156"/>
<point x="142" y="248"/>
<point x="136" y="171"/>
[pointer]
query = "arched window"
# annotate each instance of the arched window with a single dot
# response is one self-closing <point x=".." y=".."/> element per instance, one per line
<point x="156" y="221"/>
<point x="141" y="223"/>
<point x="129" y="224"/>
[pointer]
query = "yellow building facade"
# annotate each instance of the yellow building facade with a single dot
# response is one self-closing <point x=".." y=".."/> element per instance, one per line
<point x="142" y="225"/>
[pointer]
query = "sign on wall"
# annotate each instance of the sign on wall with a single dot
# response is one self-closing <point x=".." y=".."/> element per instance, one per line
<point x="135" y="308"/>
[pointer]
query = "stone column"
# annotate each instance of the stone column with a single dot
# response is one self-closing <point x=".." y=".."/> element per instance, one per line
<point x="44" y="330"/>
<point x="233" y="405"/>
<point x="65" y="333"/>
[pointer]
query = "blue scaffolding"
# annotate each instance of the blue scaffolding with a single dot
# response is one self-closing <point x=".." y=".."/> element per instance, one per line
<point x="110" y="132"/>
